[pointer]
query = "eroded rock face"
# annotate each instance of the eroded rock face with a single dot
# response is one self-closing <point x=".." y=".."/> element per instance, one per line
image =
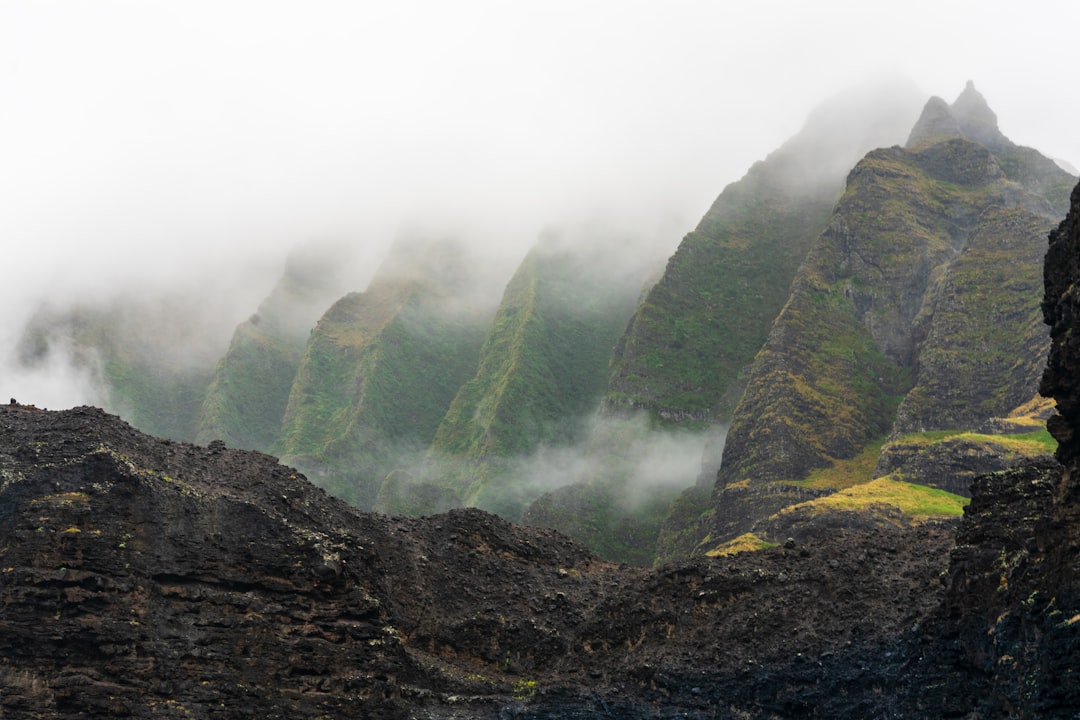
<point x="1061" y="311"/>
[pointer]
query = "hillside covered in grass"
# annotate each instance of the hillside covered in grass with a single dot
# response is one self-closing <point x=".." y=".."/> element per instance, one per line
<point x="541" y="373"/>
<point x="380" y="370"/>
<point x="245" y="402"/>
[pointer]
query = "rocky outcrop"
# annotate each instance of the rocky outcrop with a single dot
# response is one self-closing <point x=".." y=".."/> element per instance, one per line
<point x="1061" y="309"/>
<point x="144" y="578"/>
<point x="952" y="463"/>
<point x="969" y="116"/>
<point x="148" y="578"/>
<point x="1004" y="644"/>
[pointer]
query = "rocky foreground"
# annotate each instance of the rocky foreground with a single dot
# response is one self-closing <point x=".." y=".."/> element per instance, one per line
<point x="147" y="578"/>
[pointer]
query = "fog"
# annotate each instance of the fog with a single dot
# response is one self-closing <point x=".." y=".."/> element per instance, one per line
<point x="183" y="149"/>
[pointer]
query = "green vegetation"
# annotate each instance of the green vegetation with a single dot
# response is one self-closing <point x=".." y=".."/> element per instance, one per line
<point x="678" y="534"/>
<point x="918" y="307"/>
<point x="1029" y="444"/>
<point x="829" y="379"/>
<point x="917" y="501"/>
<point x="541" y="373"/>
<point x="595" y="514"/>
<point x="378" y="373"/>
<point x="701" y="324"/>
<point x="524" y="690"/>
<point x="246" y="400"/>
<point x="747" y="542"/>
<point x="846" y="473"/>
<point x="543" y="363"/>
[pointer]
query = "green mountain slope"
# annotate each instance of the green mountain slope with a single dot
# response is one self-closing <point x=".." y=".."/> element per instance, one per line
<point x="542" y="372"/>
<point x="879" y="307"/>
<point x="983" y="332"/>
<point x="147" y="359"/>
<point x="685" y="353"/>
<point x="380" y="370"/>
<point x="246" y="399"/>
<point x="700" y="326"/>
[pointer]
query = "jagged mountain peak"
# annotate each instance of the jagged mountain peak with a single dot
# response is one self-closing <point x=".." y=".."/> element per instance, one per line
<point x="969" y="116"/>
<point x="977" y="121"/>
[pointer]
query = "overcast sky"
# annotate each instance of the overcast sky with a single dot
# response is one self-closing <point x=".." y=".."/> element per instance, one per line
<point x="142" y="140"/>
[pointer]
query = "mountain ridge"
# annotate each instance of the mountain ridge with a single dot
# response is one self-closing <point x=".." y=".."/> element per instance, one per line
<point x="856" y="334"/>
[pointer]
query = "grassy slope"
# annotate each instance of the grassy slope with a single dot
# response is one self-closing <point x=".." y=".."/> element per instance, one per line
<point x="377" y="375"/>
<point x="702" y="323"/>
<point x="542" y="370"/>
<point x="246" y="400"/>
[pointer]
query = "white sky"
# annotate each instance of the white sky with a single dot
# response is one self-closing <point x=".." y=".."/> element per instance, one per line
<point x="142" y="140"/>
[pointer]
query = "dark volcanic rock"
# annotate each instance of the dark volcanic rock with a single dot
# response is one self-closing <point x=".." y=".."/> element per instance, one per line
<point x="147" y="578"/>
<point x="1004" y="644"/>
<point x="1061" y="310"/>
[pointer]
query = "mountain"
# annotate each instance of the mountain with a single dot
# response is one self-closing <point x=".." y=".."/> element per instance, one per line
<point x="541" y="373"/>
<point x="871" y="344"/>
<point x="149" y="359"/>
<point x="148" y="578"/>
<point x="915" y="310"/>
<point x="245" y="402"/>
<point x="683" y="354"/>
<point x="380" y="369"/>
